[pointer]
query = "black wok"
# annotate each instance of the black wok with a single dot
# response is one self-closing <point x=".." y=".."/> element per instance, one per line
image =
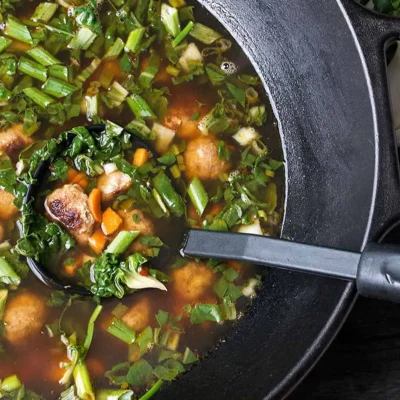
<point x="323" y="64"/>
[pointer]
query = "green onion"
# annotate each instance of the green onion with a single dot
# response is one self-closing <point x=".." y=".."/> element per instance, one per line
<point x="238" y="93"/>
<point x="90" y="329"/>
<point x="121" y="331"/>
<point x="10" y="384"/>
<point x="147" y="76"/>
<point x="17" y="30"/>
<point x="115" y="49"/>
<point x="139" y="128"/>
<point x="139" y="107"/>
<point x="57" y="88"/>
<point x="42" y="56"/>
<point x="170" y="19"/>
<point x="92" y="107"/>
<point x="4" y="43"/>
<point x="83" y="385"/>
<point x="189" y="357"/>
<point x="181" y="37"/>
<point x="87" y="72"/>
<point x="154" y="389"/>
<point x="44" y="12"/>
<point x="160" y="202"/>
<point x="120" y="310"/>
<point x="106" y="78"/>
<point x="83" y="39"/>
<point x="116" y="95"/>
<point x="7" y="274"/>
<point x="32" y="69"/>
<point x="121" y="243"/>
<point x="30" y="122"/>
<point x="5" y="94"/>
<point x="3" y="301"/>
<point x="173" y="71"/>
<point x="175" y="171"/>
<point x="38" y="97"/>
<point x="134" y="39"/>
<point x="204" y="34"/>
<point x="198" y="195"/>
<point x="171" y="198"/>
<point x="114" y="394"/>
<point x="59" y="71"/>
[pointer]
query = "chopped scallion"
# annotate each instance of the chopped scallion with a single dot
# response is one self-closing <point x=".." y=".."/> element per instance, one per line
<point x="170" y="19"/>
<point x="87" y="72"/>
<point x="121" y="243"/>
<point x="4" y="43"/>
<point x="57" y="88"/>
<point x="83" y="39"/>
<point x="134" y="39"/>
<point x="44" y="12"/>
<point x="10" y="384"/>
<point x="42" y="56"/>
<point x="92" y="107"/>
<point x="198" y="195"/>
<point x="38" y="97"/>
<point x="3" y="301"/>
<point x="182" y="35"/>
<point x="7" y="274"/>
<point x="204" y="34"/>
<point x="116" y="95"/>
<point x="5" y="94"/>
<point x="173" y="71"/>
<point x="121" y="331"/>
<point x="18" y="30"/>
<point x="147" y="76"/>
<point x="139" y="107"/>
<point x="59" y="72"/>
<point x="33" y="69"/>
<point x="115" y="49"/>
<point x="83" y="385"/>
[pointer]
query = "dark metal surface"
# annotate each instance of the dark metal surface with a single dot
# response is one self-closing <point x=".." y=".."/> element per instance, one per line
<point x="310" y="61"/>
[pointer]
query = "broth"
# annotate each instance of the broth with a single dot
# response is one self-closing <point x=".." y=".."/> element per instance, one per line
<point x="192" y="96"/>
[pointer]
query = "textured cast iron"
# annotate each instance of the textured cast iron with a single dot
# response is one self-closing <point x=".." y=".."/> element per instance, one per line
<point x="310" y="61"/>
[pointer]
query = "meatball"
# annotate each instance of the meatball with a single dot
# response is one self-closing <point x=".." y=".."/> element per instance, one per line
<point x="138" y="316"/>
<point x="201" y="159"/>
<point x="24" y="316"/>
<point x="113" y="185"/>
<point x="69" y="206"/>
<point x="192" y="281"/>
<point x="13" y="140"/>
<point x="7" y="207"/>
<point x="143" y="224"/>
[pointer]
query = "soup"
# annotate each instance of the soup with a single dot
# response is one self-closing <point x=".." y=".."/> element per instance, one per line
<point x="111" y="211"/>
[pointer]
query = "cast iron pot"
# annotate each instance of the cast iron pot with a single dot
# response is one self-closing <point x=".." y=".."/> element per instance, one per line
<point x="323" y="65"/>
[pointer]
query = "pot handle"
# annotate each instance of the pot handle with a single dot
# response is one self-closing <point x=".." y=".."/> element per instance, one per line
<point x="373" y="32"/>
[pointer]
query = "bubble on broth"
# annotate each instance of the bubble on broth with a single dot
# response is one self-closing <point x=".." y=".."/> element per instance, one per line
<point x="71" y="11"/>
<point x="229" y="67"/>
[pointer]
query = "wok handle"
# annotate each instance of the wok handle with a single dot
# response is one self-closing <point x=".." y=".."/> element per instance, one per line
<point x="373" y="32"/>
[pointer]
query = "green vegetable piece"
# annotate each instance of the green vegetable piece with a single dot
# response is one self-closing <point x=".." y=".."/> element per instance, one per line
<point x="154" y="389"/>
<point x="182" y="35"/>
<point x="162" y="318"/>
<point x="42" y="56"/>
<point x="7" y="275"/>
<point x="189" y="357"/>
<point x="90" y="330"/>
<point x="10" y="384"/>
<point x="17" y="30"/>
<point x="134" y="40"/>
<point x="238" y="93"/>
<point x="171" y="198"/>
<point x="87" y="72"/>
<point x="5" y="94"/>
<point x="59" y="72"/>
<point x="4" y="43"/>
<point x="152" y="241"/>
<point x="3" y="301"/>
<point x="38" y="97"/>
<point x="205" y="34"/>
<point x="121" y="331"/>
<point x="147" y="76"/>
<point x="114" y="394"/>
<point x="139" y="373"/>
<point x="224" y="153"/>
<point x="83" y="385"/>
<point x="115" y="49"/>
<point x="198" y="195"/>
<point x="272" y="197"/>
<point x="33" y="69"/>
<point x="139" y="107"/>
<point x="57" y="88"/>
<point x="170" y="19"/>
<point x="122" y="242"/>
<point x="44" y="12"/>
<point x="205" y="312"/>
<point x="83" y="39"/>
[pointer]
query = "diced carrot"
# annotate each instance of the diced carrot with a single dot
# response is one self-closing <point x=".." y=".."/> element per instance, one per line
<point x="140" y="157"/>
<point x="94" y="204"/>
<point x="78" y="177"/>
<point x="83" y="183"/>
<point x="70" y="270"/>
<point x="72" y="173"/>
<point x="111" y="222"/>
<point x="98" y="241"/>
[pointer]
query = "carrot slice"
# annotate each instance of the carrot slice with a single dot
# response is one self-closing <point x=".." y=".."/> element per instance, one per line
<point x="94" y="204"/>
<point x="140" y="157"/>
<point x="98" y="241"/>
<point x="79" y="176"/>
<point x="72" y="173"/>
<point x="111" y="222"/>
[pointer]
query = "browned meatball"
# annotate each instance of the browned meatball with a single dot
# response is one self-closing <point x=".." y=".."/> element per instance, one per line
<point x="69" y="206"/>
<point x="113" y="185"/>
<point x="201" y="159"/>
<point x="143" y="224"/>
<point x="7" y="207"/>
<point x="192" y="281"/>
<point x="13" y="140"/>
<point x="138" y="316"/>
<point x="24" y="316"/>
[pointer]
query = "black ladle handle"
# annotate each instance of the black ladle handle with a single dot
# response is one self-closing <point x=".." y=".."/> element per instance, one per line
<point x="376" y="270"/>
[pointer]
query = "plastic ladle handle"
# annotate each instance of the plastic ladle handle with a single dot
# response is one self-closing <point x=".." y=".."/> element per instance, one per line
<point x="376" y="270"/>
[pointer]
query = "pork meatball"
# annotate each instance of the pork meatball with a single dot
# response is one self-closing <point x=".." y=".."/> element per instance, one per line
<point x="201" y="159"/>
<point x="7" y="207"/>
<point x="192" y="281"/>
<point x="138" y="316"/>
<point x="113" y="185"/>
<point x="69" y="206"/>
<point x="13" y="140"/>
<point x="24" y="316"/>
<point x="143" y="224"/>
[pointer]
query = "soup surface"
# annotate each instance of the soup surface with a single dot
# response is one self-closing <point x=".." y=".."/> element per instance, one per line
<point x="110" y="213"/>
